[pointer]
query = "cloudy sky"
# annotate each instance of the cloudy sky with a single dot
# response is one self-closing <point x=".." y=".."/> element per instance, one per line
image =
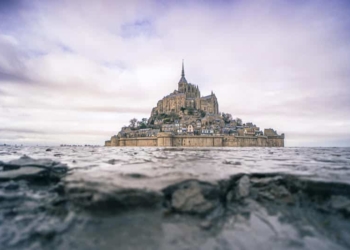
<point x="76" y="71"/>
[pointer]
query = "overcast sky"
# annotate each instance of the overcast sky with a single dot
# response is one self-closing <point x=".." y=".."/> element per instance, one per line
<point x="76" y="71"/>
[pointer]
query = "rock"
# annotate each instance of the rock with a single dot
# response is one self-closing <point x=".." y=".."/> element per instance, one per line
<point x="104" y="198"/>
<point x="266" y="195"/>
<point x="11" y="185"/>
<point x="194" y="197"/>
<point x="206" y="225"/>
<point x="264" y="181"/>
<point x="26" y="167"/>
<point x="48" y="150"/>
<point x="112" y="161"/>
<point x="21" y="173"/>
<point x="279" y="191"/>
<point x="340" y="203"/>
<point x="136" y="175"/>
<point x="243" y="187"/>
<point x="232" y="162"/>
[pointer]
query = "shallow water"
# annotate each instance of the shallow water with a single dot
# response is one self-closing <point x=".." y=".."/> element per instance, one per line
<point x="171" y="198"/>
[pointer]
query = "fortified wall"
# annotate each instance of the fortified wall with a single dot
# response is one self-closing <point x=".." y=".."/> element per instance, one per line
<point x="169" y="140"/>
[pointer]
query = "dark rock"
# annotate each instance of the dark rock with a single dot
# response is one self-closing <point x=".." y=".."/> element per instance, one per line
<point x="104" y="199"/>
<point x="278" y="193"/>
<point x="206" y="225"/>
<point x="11" y="185"/>
<point x="338" y="202"/>
<point x="21" y="173"/>
<point x="258" y="182"/>
<point x="48" y="150"/>
<point x="266" y="195"/>
<point x="193" y="197"/>
<point x="112" y="161"/>
<point x="26" y="167"/>
<point x="136" y="175"/>
<point x="236" y="163"/>
<point x="243" y="187"/>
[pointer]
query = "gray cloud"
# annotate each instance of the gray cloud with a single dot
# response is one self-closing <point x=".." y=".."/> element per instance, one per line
<point x="279" y="64"/>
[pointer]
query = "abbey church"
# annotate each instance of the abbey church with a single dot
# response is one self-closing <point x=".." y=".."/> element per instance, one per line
<point x="187" y="96"/>
<point x="184" y="118"/>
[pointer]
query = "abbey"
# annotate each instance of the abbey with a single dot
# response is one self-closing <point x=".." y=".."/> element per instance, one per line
<point x="187" y="96"/>
<point x="184" y="118"/>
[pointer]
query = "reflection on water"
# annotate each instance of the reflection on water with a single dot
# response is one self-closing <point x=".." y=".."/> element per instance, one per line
<point x="191" y="198"/>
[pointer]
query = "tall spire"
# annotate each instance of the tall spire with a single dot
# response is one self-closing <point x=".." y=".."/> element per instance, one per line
<point x="183" y="69"/>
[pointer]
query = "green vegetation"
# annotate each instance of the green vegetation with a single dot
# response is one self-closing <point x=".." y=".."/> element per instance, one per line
<point x="143" y="126"/>
<point x="167" y="120"/>
<point x="167" y="117"/>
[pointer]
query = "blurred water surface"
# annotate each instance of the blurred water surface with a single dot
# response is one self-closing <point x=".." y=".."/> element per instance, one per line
<point x="127" y="198"/>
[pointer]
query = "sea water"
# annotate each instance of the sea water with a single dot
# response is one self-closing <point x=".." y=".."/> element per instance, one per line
<point x="174" y="198"/>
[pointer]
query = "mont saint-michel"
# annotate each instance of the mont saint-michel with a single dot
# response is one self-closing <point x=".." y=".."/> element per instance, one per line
<point x="185" y="118"/>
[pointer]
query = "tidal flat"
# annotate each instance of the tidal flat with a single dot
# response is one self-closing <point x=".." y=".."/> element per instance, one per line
<point x="174" y="198"/>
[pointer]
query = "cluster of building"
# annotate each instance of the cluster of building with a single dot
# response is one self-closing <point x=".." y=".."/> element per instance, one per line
<point x="186" y="112"/>
<point x="199" y="127"/>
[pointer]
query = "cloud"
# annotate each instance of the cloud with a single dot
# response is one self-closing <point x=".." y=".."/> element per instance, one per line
<point x="97" y="64"/>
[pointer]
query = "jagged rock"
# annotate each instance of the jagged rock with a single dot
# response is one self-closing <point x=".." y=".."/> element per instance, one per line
<point x="194" y="197"/>
<point x="258" y="182"/>
<point x="100" y="197"/>
<point x="279" y="193"/>
<point x="266" y="195"/>
<point x="243" y="187"/>
<point x="26" y="167"/>
<point x="340" y="203"/>
<point x="21" y="173"/>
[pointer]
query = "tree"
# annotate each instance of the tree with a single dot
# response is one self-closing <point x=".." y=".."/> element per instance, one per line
<point x="133" y="123"/>
<point x="226" y="117"/>
<point x="143" y="125"/>
<point x="182" y="109"/>
<point x="202" y="113"/>
<point x="144" y="120"/>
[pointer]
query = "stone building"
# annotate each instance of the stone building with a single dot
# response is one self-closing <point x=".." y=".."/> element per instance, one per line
<point x="187" y="96"/>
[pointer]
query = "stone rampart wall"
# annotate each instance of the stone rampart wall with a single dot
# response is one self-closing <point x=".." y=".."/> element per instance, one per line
<point x="138" y="142"/>
<point x="168" y="140"/>
<point x="197" y="141"/>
